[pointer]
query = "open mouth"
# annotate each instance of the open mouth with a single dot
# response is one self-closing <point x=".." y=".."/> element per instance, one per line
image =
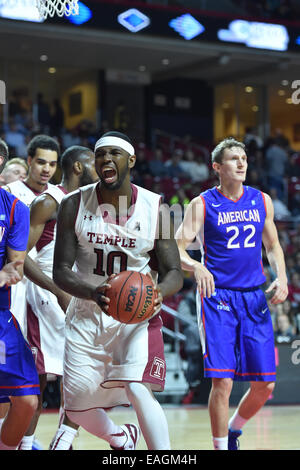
<point x="109" y="174"/>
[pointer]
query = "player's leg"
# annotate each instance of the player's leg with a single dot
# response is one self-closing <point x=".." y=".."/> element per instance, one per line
<point x="18" y="419"/>
<point x="97" y="422"/>
<point x="27" y="440"/>
<point x="151" y="417"/>
<point x="4" y="407"/>
<point x="66" y="431"/>
<point x="253" y="400"/>
<point x="218" y="406"/>
<point x="257" y="361"/>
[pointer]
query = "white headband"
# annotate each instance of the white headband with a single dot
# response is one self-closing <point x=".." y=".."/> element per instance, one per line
<point x="110" y="141"/>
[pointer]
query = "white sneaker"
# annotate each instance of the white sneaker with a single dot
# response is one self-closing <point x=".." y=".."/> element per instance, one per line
<point x="132" y="432"/>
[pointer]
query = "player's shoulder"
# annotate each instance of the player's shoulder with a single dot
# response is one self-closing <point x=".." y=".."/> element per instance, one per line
<point x="12" y="205"/>
<point x="11" y="187"/>
<point x="145" y="193"/>
<point x="9" y="197"/>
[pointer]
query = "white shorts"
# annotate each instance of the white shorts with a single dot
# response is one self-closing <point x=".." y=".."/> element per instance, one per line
<point x="45" y="329"/>
<point x="102" y="354"/>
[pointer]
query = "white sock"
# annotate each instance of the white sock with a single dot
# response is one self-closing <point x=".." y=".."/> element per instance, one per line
<point x="220" y="443"/>
<point x="97" y="422"/>
<point x="63" y="438"/>
<point x="236" y="422"/>
<point x="151" y="417"/>
<point x="26" y="443"/>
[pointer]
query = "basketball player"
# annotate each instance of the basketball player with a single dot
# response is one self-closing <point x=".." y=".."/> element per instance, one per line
<point x="18" y="376"/>
<point x="43" y="152"/>
<point x="109" y="227"/>
<point x="232" y="221"/>
<point x="15" y="169"/>
<point x="46" y="303"/>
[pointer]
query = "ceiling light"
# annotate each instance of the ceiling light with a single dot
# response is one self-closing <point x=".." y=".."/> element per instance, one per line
<point x="248" y="89"/>
<point x="281" y="92"/>
<point x="289" y="101"/>
<point x="284" y="82"/>
<point x="255" y="108"/>
<point x="52" y="70"/>
<point x="142" y="68"/>
<point x="43" y="57"/>
<point x="165" y="61"/>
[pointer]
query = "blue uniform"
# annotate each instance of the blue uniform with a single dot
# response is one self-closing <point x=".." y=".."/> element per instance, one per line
<point x="235" y="324"/>
<point x="18" y="375"/>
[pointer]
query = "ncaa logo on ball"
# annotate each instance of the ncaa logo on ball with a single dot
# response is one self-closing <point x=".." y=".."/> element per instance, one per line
<point x="131" y="298"/>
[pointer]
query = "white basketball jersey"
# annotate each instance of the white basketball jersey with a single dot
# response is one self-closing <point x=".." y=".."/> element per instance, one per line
<point x="45" y="245"/>
<point x="107" y="246"/>
<point x="23" y="192"/>
<point x="18" y="292"/>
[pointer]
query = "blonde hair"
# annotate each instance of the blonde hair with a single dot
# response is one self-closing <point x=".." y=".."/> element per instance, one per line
<point x="18" y="161"/>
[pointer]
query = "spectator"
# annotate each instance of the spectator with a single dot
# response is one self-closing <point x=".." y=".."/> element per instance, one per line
<point x="251" y="135"/>
<point x="173" y="166"/>
<point x="157" y="166"/>
<point x="196" y="170"/>
<point x="294" y="290"/>
<point x="57" y="118"/>
<point x="281" y="211"/>
<point x="44" y="116"/>
<point x="141" y="167"/>
<point x="285" y="331"/>
<point x="15" y="139"/>
<point x="277" y="161"/>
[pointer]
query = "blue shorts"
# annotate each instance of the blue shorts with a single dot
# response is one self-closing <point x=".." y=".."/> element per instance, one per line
<point x="18" y="374"/>
<point x="237" y="336"/>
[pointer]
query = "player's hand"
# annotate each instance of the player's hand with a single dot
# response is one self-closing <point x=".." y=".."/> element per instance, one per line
<point x="280" y="289"/>
<point x="99" y="295"/>
<point x="205" y="281"/>
<point x="9" y="274"/>
<point x="158" y="297"/>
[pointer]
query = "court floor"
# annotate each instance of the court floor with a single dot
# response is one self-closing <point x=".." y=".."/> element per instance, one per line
<point x="273" y="428"/>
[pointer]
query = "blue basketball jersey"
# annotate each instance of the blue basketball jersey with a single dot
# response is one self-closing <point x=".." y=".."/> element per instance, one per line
<point x="14" y="232"/>
<point x="232" y="238"/>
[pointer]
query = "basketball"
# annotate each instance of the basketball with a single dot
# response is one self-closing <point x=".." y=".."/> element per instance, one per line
<point x="132" y="297"/>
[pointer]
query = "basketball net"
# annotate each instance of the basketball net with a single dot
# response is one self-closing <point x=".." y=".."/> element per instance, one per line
<point x="59" y="7"/>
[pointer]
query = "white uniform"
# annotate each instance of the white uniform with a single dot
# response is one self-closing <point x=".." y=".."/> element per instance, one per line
<point x="99" y="350"/>
<point x="45" y="318"/>
<point x="18" y="291"/>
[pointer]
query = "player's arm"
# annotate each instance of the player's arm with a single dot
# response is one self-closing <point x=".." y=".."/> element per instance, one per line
<point x="275" y="255"/>
<point x="171" y="276"/>
<point x="65" y="251"/>
<point x="17" y="240"/>
<point x="42" y="209"/>
<point x="192" y="224"/>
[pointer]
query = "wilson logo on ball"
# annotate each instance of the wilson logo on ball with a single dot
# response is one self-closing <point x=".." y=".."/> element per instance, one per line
<point x="148" y="301"/>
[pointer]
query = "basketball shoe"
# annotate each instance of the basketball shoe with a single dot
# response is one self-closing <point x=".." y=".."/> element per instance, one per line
<point x="132" y="433"/>
<point x="233" y="442"/>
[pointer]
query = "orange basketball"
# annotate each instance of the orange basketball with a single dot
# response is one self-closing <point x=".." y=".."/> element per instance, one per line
<point x="132" y="297"/>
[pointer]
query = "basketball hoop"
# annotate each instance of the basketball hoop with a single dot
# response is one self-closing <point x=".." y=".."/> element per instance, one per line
<point x="59" y="7"/>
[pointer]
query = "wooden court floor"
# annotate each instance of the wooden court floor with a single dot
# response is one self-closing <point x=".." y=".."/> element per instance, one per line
<point x="273" y="428"/>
